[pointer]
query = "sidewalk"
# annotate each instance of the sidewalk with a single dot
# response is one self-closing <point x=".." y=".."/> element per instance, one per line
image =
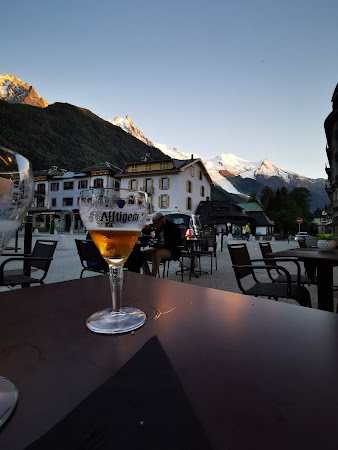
<point x="66" y="264"/>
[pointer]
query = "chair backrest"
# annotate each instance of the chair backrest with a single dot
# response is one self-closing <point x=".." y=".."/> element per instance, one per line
<point x="240" y="256"/>
<point x="43" y="249"/>
<point x="265" y="250"/>
<point x="302" y="243"/>
<point x="88" y="252"/>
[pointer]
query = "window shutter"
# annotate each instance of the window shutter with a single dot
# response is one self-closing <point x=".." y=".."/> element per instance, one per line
<point x="144" y="186"/>
<point x="186" y="203"/>
<point x="168" y="183"/>
<point x="159" y="201"/>
<point x="57" y="186"/>
<point x="191" y="187"/>
<point x="137" y="185"/>
<point x="187" y="186"/>
<point x="168" y="201"/>
<point x="159" y="183"/>
<point x="129" y="184"/>
<point x="152" y="183"/>
<point x="201" y="191"/>
<point x="78" y="185"/>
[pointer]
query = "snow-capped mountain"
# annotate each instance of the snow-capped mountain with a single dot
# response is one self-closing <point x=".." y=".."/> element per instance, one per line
<point x="127" y="125"/>
<point x="242" y="177"/>
<point x="13" y="90"/>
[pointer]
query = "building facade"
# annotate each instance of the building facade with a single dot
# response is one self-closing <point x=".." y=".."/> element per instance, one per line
<point x="173" y="185"/>
<point x="331" y="131"/>
<point x="57" y="193"/>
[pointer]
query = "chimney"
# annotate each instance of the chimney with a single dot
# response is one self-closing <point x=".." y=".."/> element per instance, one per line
<point x="192" y="156"/>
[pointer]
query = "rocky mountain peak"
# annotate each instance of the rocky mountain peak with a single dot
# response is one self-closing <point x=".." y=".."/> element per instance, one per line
<point x="129" y="127"/>
<point x="13" y="90"/>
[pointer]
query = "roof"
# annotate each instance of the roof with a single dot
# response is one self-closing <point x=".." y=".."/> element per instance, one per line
<point x="179" y="166"/>
<point x="261" y="218"/>
<point x="102" y="166"/>
<point x="252" y="206"/>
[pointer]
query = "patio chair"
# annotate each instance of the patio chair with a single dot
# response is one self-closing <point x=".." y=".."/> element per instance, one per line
<point x="281" y="277"/>
<point x="91" y="259"/>
<point x="208" y="248"/>
<point x="310" y="268"/>
<point x="38" y="262"/>
<point x="244" y="267"/>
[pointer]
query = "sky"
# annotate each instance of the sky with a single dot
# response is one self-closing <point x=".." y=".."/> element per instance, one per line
<point x="253" y="78"/>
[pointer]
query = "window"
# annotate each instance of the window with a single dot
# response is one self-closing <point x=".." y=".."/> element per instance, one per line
<point x="189" y="186"/>
<point x="98" y="183"/>
<point x="133" y="168"/>
<point x="189" y="203"/>
<point x="200" y="175"/>
<point x="164" y="201"/>
<point x="192" y="171"/>
<point x="67" y="201"/>
<point x="54" y="186"/>
<point x="148" y="185"/>
<point x="53" y="201"/>
<point x="133" y="185"/>
<point x="202" y="191"/>
<point x="164" y="165"/>
<point x="40" y="189"/>
<point x="148" y="166"/>
<point x="164" y="183"/>
<point x="68" y="185"/>
<point x="40" y="203"/>
<point x="82" y="184"/>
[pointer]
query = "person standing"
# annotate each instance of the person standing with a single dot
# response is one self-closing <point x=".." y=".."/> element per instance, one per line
<point x="247" y="231"/>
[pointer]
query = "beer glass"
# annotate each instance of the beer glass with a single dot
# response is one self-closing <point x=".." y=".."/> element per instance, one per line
<point x="114" y="218"/>
<point x="16" y="192"/>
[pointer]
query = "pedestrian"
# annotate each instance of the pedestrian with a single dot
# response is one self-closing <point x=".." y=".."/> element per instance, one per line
<point x="247" y="231"/>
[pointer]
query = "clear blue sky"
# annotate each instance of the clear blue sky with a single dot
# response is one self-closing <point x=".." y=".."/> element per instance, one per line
<point x="253" y="77"/>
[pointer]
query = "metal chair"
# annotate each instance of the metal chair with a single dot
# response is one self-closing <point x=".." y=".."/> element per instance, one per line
<point x="208" y="248"/>
<point x="281" y="278"/>
<point x="91" y="259"/>
<point x="244" y="267"/>
<point x="38" y="261"/>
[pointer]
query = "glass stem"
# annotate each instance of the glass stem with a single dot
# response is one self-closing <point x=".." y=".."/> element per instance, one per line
<point x="116" y="282"/>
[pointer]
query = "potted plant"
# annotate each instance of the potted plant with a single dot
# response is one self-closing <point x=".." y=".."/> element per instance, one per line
<point x="326" y="242"/>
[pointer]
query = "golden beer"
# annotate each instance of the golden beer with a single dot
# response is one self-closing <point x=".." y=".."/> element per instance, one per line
<point x="114" y="245"/>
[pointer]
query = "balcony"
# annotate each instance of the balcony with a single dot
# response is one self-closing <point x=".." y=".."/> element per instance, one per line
<point x="328" y="170"/>
<point x="40" y="193"/>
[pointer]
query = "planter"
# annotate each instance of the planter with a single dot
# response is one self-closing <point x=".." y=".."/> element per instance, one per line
<point x="326" y="246"/>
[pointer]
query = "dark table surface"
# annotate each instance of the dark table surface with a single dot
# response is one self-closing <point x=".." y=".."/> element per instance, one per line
<point x="259" y="374"/>
<point x="324" y="262"/>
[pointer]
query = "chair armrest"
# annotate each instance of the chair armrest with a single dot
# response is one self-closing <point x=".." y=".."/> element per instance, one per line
<point x="269" y="267"/>
<point x="26" y="258"/>
<point x="285" y="259"/>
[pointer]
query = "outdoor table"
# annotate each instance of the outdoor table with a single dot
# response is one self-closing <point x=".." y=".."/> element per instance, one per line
<point x="324" y="261"/>
<point x="257" y="374"/>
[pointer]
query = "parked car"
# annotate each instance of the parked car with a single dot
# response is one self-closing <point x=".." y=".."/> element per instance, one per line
<point x="189" y="224"/>
<point x="302" y="235"/>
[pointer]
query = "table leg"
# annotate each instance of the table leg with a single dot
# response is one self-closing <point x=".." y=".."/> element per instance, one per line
<point x="325" y="287"/>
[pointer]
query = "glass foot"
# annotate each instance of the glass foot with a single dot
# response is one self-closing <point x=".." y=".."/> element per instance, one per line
<point x="109" y="322"/>
<point x="8" y="399"/>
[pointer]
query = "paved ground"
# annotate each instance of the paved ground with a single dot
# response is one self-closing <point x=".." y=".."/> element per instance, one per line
<point x="66" y="264"/>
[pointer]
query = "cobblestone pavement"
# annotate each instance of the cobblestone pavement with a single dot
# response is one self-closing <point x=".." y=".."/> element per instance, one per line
<point x="66" y="264"/>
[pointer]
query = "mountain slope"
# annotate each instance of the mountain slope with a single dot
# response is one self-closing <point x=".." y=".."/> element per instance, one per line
<point x="66" y="136"/>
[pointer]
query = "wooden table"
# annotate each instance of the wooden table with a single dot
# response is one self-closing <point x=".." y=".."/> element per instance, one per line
<point x="324" y="261"/>
<point x="259" y="374"/>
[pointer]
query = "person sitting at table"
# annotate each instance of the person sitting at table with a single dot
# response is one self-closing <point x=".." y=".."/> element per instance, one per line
<point x="168" y="236"/>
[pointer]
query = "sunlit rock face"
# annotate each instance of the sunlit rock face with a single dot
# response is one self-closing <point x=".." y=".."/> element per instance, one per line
<point x="13" y="90"/>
